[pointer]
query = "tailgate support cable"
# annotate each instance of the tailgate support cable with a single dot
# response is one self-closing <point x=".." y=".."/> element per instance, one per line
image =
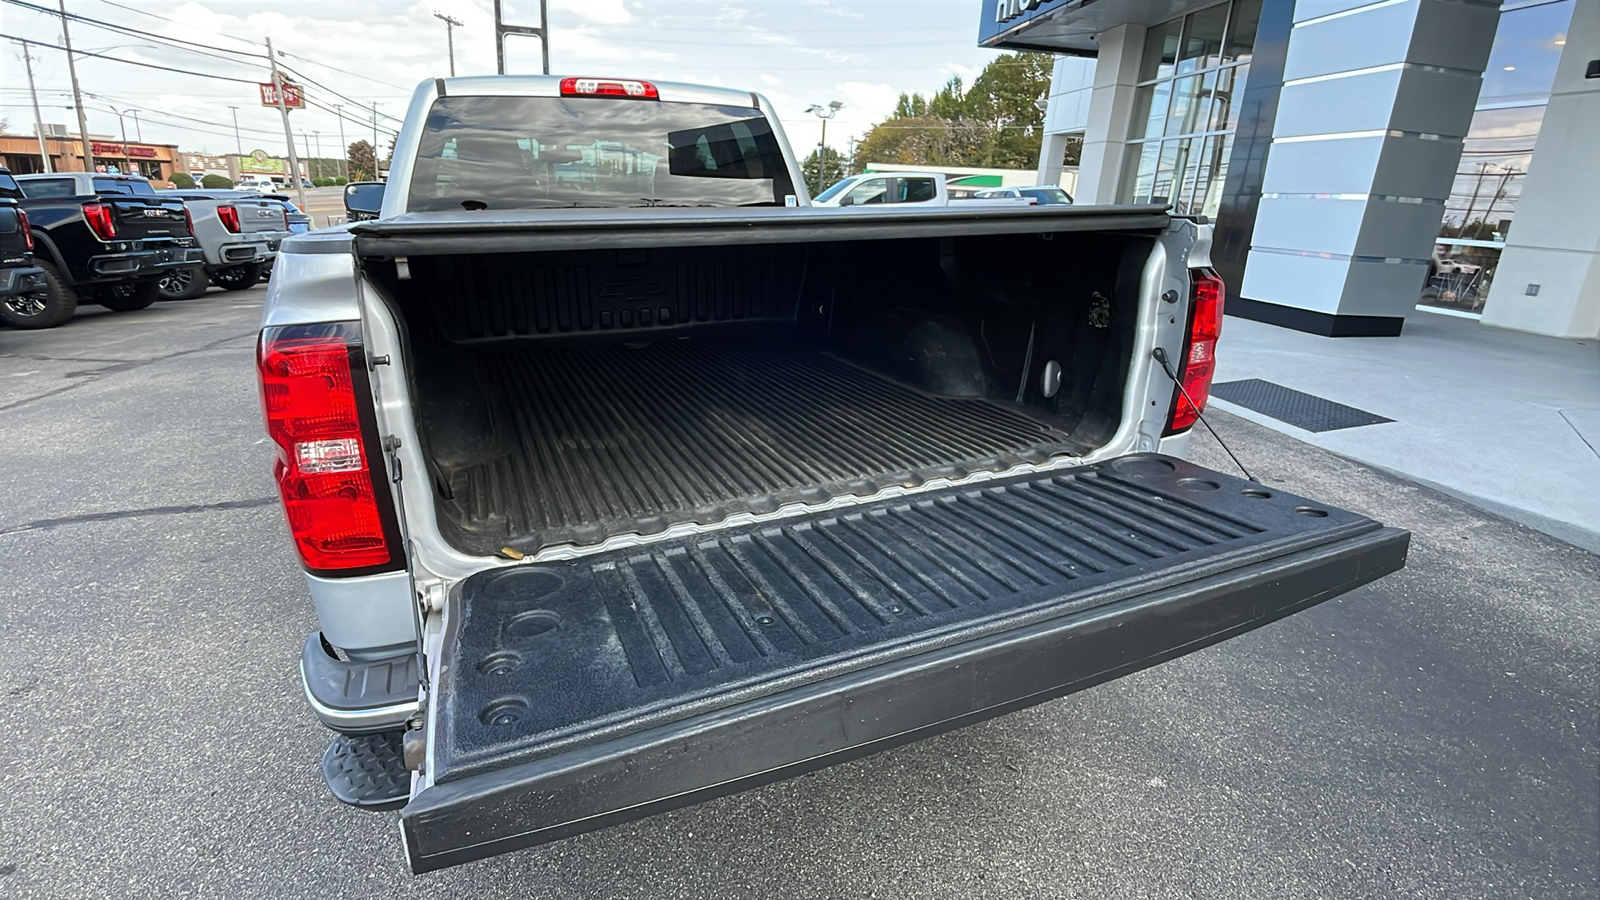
<point x="1160" y="353"/>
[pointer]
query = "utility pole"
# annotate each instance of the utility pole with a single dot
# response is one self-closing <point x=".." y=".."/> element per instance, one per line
<point x="77" y="97"/>
<point x="1467" y="219"/>
<point x="305" y="144"/>
<point x="375" y="142"/>
<point x="137" y="131"/>
<point x="288" y="133"/>
<point x="450" y="26"/>
<point x="238" y="145"/>
<point x="316" y="139"/>
<point x="344" y="149"/>
<point x="38" y="121"/>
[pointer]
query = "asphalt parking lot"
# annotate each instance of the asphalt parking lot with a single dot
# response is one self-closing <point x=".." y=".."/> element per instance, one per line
<point x="1432" y="735"/>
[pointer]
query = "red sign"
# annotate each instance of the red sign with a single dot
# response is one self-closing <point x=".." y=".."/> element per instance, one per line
<point x="293" y="95"/>
<point x="120" y="150"/>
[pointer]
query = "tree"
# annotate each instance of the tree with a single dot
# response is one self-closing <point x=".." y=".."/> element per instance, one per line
<point x="183" y="180"/>
<point x="993" y="123"/>
<point x="215" y="183"/>
<point x="363" y="162"/>
<point x="832" y="170"/>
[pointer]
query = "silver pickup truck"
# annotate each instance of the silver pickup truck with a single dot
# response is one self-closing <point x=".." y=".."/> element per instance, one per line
<point x="239" y="231"/>
<point x="623" y="478"/>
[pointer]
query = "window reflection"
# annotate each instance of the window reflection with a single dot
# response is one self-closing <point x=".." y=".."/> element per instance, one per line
<point x="1185" y="109"/>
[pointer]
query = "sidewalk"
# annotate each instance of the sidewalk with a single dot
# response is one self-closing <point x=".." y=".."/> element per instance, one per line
<point x="1505" y="420"/>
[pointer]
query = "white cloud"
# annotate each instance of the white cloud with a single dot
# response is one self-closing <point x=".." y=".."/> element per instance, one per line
<point x="603" y="12"/>
<point x="771" y="79"/>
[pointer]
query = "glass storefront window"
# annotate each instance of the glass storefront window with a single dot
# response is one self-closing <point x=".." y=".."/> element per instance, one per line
<point x="1496" y="153"/>
<point x="1160" y="50"/>
<point x="1242" y="29"/>
<point x="1185" y="109"/>
<point x="1202" y="38"/>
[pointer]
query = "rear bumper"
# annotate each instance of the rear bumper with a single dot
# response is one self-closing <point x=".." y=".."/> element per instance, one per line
<point x="358" y="696"/>
<point x="243" y="253"/>
<point x="20" y="280"/>
<point x="144" y="262"/>
<point x="848" y="716"/>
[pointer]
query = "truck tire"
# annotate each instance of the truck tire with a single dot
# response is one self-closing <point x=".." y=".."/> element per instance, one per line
<point x="185" y="283"/>
<point x="238" y="278"/>
<point x="41" y="309"/>
<point x="128" y="297"/>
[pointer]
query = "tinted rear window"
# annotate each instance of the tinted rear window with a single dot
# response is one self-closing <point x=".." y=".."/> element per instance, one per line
<point x="9" y="187"/>
<point x="548" y="152"/>
<point x="48" y="187"/>
<point x="1047" y="195"/>
<point x="123" y="186"/>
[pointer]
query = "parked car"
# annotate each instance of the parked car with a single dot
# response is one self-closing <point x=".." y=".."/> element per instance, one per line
<point x="239" y="232"/>
<point x="23" y="290"/>
<point x="608" y="506"/>
<point x="1044" y="195"/>
<point x="299" y="222"/>
<point x="900" y="189"/>
<point x="106" y="239"/>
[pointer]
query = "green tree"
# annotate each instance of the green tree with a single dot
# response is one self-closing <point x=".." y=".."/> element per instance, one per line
<point x="832" y="170"/>
<point x="183" y="180"/>
<point x="215" y="183"/>
<point x="363" y="164"/>
<point x="991" y="123"/>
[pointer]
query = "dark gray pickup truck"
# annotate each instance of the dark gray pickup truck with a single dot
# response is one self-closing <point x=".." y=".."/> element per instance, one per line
<point x="623" y="478"/>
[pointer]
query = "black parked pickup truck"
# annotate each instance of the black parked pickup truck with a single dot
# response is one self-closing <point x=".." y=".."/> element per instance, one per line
<point x="105" y="239"/>
<point x="21" y="282"/>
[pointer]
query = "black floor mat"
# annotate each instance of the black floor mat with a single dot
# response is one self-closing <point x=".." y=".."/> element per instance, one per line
<point x="615" y="440"/>
<point x="1297" y="408"/>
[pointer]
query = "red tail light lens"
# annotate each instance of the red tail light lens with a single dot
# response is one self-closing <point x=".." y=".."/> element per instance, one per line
<point x="608" y="87"/>
<point x="318" y="412"/>
<point x="1200" y="349"/>
<point x="101" y="220"/>
<point x="27" y="230"/>
<point x="188" y="219"/>
<point x="230" y="217"/>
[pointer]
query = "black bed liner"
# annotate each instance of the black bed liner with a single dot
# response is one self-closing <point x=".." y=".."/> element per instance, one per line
<point x="577" y="695"/>
<point x="605" y="440"/>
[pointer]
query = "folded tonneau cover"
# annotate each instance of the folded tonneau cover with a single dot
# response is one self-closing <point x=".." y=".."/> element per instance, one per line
<point x="576" y="694"/>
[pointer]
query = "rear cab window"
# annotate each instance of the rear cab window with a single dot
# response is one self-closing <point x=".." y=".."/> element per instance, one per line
<point x="131" y="186"/>
<point x="49" y="187"/>
<point x="9" y="189"/>
<point x="554" y="152"/>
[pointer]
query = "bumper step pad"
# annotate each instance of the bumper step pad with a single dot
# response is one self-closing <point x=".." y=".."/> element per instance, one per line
<point x="367" y="770"/>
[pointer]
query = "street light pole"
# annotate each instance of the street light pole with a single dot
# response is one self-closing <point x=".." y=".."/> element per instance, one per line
<point x="316" y="139"/>
<point x="449" y="38"/>
<point x="238" y="145"/>
<point x="375" y="142"/>
<point x="824" y="113"/>
<point x="77" y="97"/>
<point x="127" y="162"/>
<point x="344" y="149"/>
<point x="137" y="131"/>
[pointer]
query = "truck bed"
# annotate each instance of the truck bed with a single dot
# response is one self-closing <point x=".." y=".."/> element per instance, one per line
<point x="712" y="428"/>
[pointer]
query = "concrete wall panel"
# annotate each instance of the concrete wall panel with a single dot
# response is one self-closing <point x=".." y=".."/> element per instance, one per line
<point x="1361" y="40"/>
<point x="1305" y="282"/>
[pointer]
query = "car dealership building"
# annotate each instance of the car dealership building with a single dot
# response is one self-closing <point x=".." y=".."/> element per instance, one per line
<point x="1360" y="158"/>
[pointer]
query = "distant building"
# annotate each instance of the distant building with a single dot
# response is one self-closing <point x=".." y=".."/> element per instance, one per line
<point x="20" y="154"/>
<point x="1360" y="159"/>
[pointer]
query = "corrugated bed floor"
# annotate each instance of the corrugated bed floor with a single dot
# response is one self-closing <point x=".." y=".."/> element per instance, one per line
<point x="614" y="440"/>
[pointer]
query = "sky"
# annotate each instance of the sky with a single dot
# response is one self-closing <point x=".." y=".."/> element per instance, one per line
<point x="796" y="52"/>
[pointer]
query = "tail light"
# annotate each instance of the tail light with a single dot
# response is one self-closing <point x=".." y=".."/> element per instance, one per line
<point x="230" y="217"/>
<point x="188" y="219"/>
<point x="27" y="230"/>
<point x="318" y="410"/>
<point x="608" y="87"/>
<point x="1200" y="350"/>
<point x="101" y="220"/>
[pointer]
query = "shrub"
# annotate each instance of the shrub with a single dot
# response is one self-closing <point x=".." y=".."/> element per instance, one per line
<point x="182" y="180"/>
<point x="340" y="180"/>
<point x="215" y="183"/>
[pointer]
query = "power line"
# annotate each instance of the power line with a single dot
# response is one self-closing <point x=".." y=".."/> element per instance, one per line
<point x="124" y="29"/>
<point x="130" y="62"/>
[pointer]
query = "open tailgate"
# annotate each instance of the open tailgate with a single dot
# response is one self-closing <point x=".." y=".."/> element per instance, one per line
<point x="574" y="695"/>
